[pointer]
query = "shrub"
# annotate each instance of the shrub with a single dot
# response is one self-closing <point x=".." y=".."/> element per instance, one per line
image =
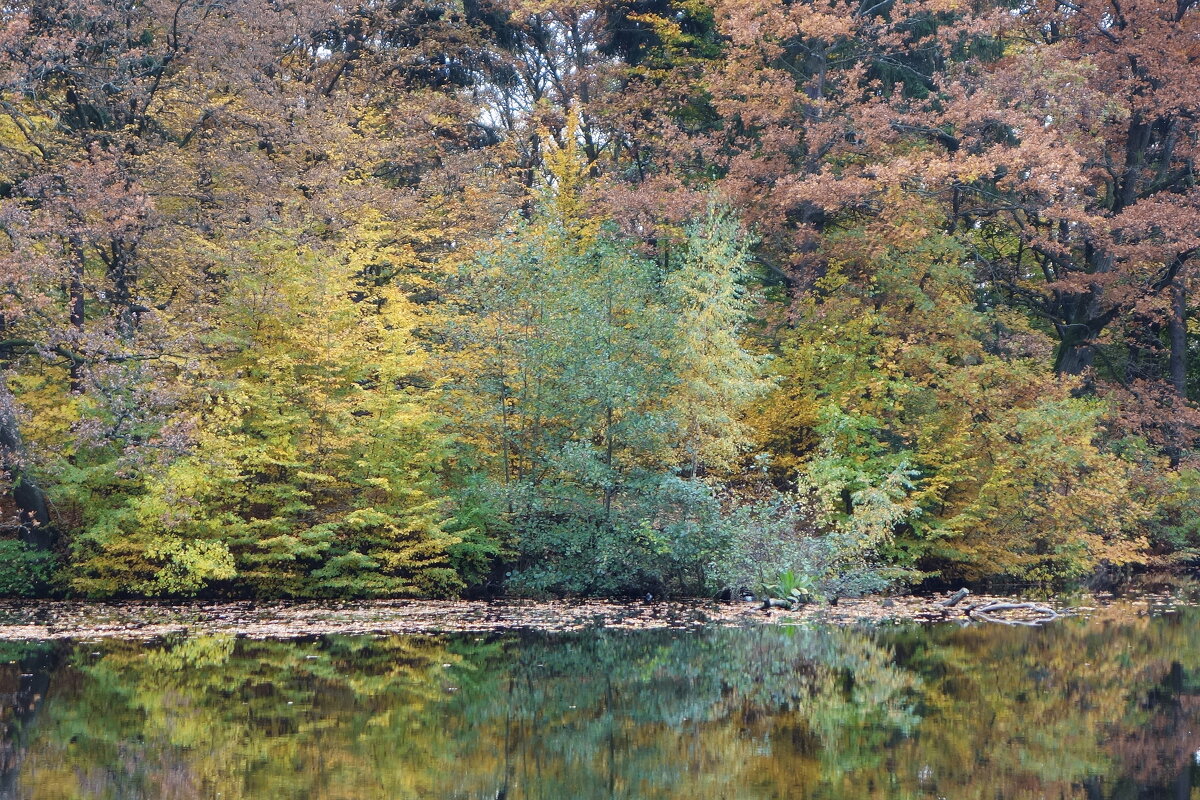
<point x="24" y="570"/>
<point x="787" y="535"/>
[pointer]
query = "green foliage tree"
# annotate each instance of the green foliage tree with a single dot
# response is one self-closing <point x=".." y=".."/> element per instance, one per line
<point x="275" y="279"/>
<point x="597" y="384"/>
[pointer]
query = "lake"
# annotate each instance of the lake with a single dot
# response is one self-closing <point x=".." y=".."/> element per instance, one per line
<point x="1106" y="708"/>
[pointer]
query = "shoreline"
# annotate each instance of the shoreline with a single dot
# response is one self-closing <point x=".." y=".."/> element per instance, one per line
<point x="57" y="619"/>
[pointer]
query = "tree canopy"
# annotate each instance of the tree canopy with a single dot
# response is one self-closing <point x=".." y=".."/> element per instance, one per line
<point x="424" y="297"/>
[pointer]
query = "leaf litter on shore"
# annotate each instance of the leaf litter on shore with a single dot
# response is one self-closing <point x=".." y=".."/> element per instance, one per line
<point x="26" y="620"/>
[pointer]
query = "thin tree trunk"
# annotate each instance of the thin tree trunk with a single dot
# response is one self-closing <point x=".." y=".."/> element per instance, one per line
<point x="608" y="462"/>
<point x="1177" y="331"/>
<point x="75" y="294"/>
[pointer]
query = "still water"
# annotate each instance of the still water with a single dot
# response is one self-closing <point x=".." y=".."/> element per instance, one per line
<point x="1080" y="709"/>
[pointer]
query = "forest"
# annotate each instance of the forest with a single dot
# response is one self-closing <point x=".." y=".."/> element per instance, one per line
<point x="560" y="298"/>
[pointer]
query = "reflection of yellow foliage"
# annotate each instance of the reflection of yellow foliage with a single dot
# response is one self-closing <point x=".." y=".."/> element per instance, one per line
<point x="759" y="712"/>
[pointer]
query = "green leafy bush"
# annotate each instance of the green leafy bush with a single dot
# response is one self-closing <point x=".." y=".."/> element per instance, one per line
<point x="24" y="571"/>
<point x="785" y="542"/>
<point x="665" y="536"/>
<point x="792" y="588"/>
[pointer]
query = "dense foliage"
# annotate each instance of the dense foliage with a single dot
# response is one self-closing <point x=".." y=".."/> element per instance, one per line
<point x="679" y="296"/>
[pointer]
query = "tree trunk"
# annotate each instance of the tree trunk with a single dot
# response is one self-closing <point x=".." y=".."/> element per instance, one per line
<point x="1075" y="354"/>
<point x="1177" y="331"/>
<point x="1083" y="318"/>
<point x="1133" y="366"/>
<point x="75" y="293"/>
<point x="33" y="510"/>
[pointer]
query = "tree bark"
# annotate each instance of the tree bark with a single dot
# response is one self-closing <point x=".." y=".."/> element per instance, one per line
<point x="1075" y="354"/>
<point x="75" y="293"/>
<point x="1177" y="331"/>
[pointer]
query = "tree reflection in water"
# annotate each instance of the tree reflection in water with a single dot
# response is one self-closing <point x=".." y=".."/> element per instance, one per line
<point x="1101" y="710"/>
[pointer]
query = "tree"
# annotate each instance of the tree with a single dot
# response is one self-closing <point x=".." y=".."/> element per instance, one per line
<point x="144" y="149"/>
<point x="718" y="377"/>
<point x="590" y="377"/>
<point x="935" y="435"/>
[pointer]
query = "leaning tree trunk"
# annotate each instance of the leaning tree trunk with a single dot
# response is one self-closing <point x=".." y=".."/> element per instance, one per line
<point x="32" y="508"/>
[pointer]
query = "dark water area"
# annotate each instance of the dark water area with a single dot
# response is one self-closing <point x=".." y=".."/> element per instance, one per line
<point x="1101" y="709"/>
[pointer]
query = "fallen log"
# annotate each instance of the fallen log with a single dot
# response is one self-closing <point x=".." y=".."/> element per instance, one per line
<point x="1029" y="623"/>
<point x="988" y="608"/>
<point x="987" y="611"/>
<point x="955" y="598"/>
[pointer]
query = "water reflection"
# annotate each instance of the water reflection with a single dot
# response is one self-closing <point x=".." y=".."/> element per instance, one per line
<point x="1094" y="710"/>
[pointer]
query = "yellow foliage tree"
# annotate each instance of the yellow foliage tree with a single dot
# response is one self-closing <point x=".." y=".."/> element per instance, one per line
<point x="312" y="470"/>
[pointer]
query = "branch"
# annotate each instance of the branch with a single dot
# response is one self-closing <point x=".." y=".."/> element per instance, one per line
<point x="74" y="357"/>
<point x="985" y="611"/>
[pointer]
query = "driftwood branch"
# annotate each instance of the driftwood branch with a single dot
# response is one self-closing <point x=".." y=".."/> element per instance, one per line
<point x="955" y="598"/>
<point x="987" y="611"/>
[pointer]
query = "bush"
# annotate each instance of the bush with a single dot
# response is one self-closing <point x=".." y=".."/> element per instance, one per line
<point x="787" y="535"/>
<point x="664" y="535"/>
<point x="24" y="570"/>
<point x="771" y="537"/>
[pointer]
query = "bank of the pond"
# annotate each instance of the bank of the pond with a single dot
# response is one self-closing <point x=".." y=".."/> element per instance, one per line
<point x="34" y="620"/>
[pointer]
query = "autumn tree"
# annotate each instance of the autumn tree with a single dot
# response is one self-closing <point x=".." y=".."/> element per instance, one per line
<point x="596" y="387"/>
<point x="932" y="430"/>
<point x="146" y="149"/>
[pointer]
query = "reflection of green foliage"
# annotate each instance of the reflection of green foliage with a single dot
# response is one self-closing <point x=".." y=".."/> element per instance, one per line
<point x="11" y="652"/>
<point x="373" y="717"/>
<point x="763" y="712"/>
